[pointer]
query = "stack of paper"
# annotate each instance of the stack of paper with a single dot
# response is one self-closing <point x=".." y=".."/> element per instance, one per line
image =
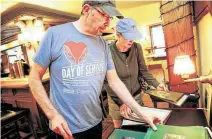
<point x="161" y="114"/>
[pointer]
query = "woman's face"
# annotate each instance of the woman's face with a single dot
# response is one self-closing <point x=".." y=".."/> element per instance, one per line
<point x="124" y="42"/>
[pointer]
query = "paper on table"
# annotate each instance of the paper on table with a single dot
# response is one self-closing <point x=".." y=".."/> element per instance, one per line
<point x="129" y="122"/>
<point x="162" y="114"/>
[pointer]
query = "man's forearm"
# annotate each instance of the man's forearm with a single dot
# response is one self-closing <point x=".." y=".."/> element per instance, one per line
<point x="41" y="97"/>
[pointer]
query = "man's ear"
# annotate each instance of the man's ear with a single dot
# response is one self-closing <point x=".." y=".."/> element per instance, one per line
<point x="118" y="34"/>
<point x="85" y="9"/>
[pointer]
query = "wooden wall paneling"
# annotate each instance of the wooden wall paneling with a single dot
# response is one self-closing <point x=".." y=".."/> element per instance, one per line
<point x="41" y="118"/>
<point x="22" y="98"/>
<point x="5" y="92"/>
<point x="201" y="8"/>
<point x="23" y="92"/>
<point x="178" y="32"/>
<point x="9" y="101"/>
<point x="27" y="103"/>
<point x="173" y="13"/>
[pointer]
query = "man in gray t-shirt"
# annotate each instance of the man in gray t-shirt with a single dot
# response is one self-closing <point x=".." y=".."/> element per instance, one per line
<point x="78" y="59"/>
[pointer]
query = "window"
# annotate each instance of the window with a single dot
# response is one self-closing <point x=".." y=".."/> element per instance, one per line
<point x="157" y="40"/>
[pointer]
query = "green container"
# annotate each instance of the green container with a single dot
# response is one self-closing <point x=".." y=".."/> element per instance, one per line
<point x="126" y="134"/>
<point x="177" y="132"/>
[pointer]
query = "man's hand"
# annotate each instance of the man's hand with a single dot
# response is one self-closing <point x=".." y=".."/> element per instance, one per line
<point x="125" y="111"/>
<point x="60" y="126"/>
<point x="123" y="93"/>
<point x="150" y="120"/>
<point x="162" y="87"/>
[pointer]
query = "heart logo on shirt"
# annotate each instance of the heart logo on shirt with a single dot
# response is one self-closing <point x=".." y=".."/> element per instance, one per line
<point x="76" y="51"/>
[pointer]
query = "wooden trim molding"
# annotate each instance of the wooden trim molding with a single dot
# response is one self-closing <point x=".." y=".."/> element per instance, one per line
<point x="9" y="39"/>
<point x="201" y="8"/>
<point x="22" y="9"/>
<point x="51" y="17"/>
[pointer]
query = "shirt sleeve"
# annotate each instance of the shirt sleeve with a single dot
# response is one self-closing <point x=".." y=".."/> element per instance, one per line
<point x="43" y="54"/>
<point x="110" y="63"/>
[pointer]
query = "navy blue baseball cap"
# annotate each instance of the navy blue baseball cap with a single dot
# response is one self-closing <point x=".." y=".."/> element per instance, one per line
<point x="128" y="28"/>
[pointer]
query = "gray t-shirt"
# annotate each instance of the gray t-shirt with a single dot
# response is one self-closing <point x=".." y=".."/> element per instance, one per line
<point x="78" y="65"/>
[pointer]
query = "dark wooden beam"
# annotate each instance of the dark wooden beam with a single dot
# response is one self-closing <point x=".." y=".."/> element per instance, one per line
<point x="25" y="9"/>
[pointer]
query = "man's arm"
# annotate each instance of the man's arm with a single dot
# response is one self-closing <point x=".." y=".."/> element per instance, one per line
<point x="122" y="92"/>
<point x="58" y="123"/>
<point x="38" y="91"/>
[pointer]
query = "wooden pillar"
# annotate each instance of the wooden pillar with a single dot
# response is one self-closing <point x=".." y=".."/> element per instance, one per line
<point x="179" y="39"/>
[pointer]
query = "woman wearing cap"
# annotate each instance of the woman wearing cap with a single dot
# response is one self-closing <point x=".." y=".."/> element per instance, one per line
<point x="124" y="52"/>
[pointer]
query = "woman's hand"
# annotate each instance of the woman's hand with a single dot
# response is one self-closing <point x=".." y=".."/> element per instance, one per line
<point x="162" y="87"/>
<point x="125" y="111"/>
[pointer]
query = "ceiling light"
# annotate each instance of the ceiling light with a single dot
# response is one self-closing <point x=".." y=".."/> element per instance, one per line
<point x="38" y="22"/>
<point x="20" y="23"/>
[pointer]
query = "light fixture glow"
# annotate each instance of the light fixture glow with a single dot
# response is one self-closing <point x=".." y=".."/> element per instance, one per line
<point x="38" y="22"/>
<point x="183" y="66"/>
<point x="20" y="23"/>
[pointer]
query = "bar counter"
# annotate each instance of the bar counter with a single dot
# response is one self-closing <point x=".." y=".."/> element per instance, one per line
<point x="17" y="92"/>
<point x="8" y="82"/>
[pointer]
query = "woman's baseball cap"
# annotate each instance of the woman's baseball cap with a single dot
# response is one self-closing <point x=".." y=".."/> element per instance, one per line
<point x="128" y="28"/>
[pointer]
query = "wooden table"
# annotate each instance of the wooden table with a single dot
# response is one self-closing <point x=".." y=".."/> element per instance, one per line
<point x="178" y="117"/>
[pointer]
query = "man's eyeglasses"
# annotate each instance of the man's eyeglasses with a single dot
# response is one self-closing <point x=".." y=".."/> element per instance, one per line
<point x="103" y="14"/>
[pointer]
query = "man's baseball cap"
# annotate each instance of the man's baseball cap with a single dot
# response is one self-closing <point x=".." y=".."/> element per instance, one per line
<point x="108" y="6"/>
<point x="127" y="27"/>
